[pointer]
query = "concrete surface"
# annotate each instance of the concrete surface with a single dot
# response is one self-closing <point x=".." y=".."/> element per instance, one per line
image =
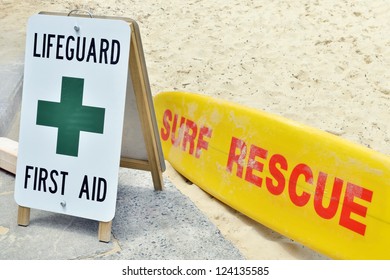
<point x="11" y="83"/>
<point x="148" y="224"/>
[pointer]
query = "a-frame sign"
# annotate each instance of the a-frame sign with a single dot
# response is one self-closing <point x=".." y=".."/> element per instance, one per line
<point x="140" y="149"/>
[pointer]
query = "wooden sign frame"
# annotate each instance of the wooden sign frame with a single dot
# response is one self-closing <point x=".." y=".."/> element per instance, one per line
<point x="144" y="102"/>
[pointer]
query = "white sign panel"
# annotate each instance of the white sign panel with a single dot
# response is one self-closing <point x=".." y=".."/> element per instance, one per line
<point x="74" y="93"/>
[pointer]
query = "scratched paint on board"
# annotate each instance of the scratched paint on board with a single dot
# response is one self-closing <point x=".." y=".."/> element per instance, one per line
<point x="309" y="185"/>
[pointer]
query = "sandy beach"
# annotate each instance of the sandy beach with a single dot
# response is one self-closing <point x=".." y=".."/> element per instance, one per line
<point x="322" y="63"/>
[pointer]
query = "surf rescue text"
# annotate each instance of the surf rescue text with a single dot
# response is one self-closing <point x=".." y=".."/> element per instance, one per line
<point x="273" y="172"/>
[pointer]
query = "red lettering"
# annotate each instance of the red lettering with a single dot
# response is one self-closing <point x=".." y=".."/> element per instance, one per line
<point x="349" y="207"/>
<point x="300" y="169"/>
<point x="277" y="188"/>
<point x="184" y="134"/>
<point x="176" y="140"/>
<point x="300" y="183"/>
<point x="330" y="211"/>
<point x="166" y="118"/>
<point x="255" y="165"/>
<point x="237" y="158"/>
<point x="202" y="144"/>
<point x="190" y="131"/>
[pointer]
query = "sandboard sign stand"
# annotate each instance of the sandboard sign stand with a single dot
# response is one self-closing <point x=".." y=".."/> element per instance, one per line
<point x="135" y="149"/>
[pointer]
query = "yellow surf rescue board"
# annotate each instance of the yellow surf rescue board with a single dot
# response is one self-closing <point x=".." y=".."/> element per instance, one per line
<point x="314" y="187"/>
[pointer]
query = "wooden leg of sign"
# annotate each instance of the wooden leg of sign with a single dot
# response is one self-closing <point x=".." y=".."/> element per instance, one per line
<point x="8" y="157"/>
<point x="105" y="231"/>
<point x="23" y="216"/>
<point x="157" y="178"/>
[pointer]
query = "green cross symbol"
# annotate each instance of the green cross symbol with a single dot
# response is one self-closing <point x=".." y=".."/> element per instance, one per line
<point x="70" y="116"/>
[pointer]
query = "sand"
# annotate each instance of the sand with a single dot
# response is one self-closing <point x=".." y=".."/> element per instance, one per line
<point x="322" y="63"/>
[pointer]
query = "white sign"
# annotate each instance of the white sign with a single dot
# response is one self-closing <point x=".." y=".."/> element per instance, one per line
<point x="74" y="92"/>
